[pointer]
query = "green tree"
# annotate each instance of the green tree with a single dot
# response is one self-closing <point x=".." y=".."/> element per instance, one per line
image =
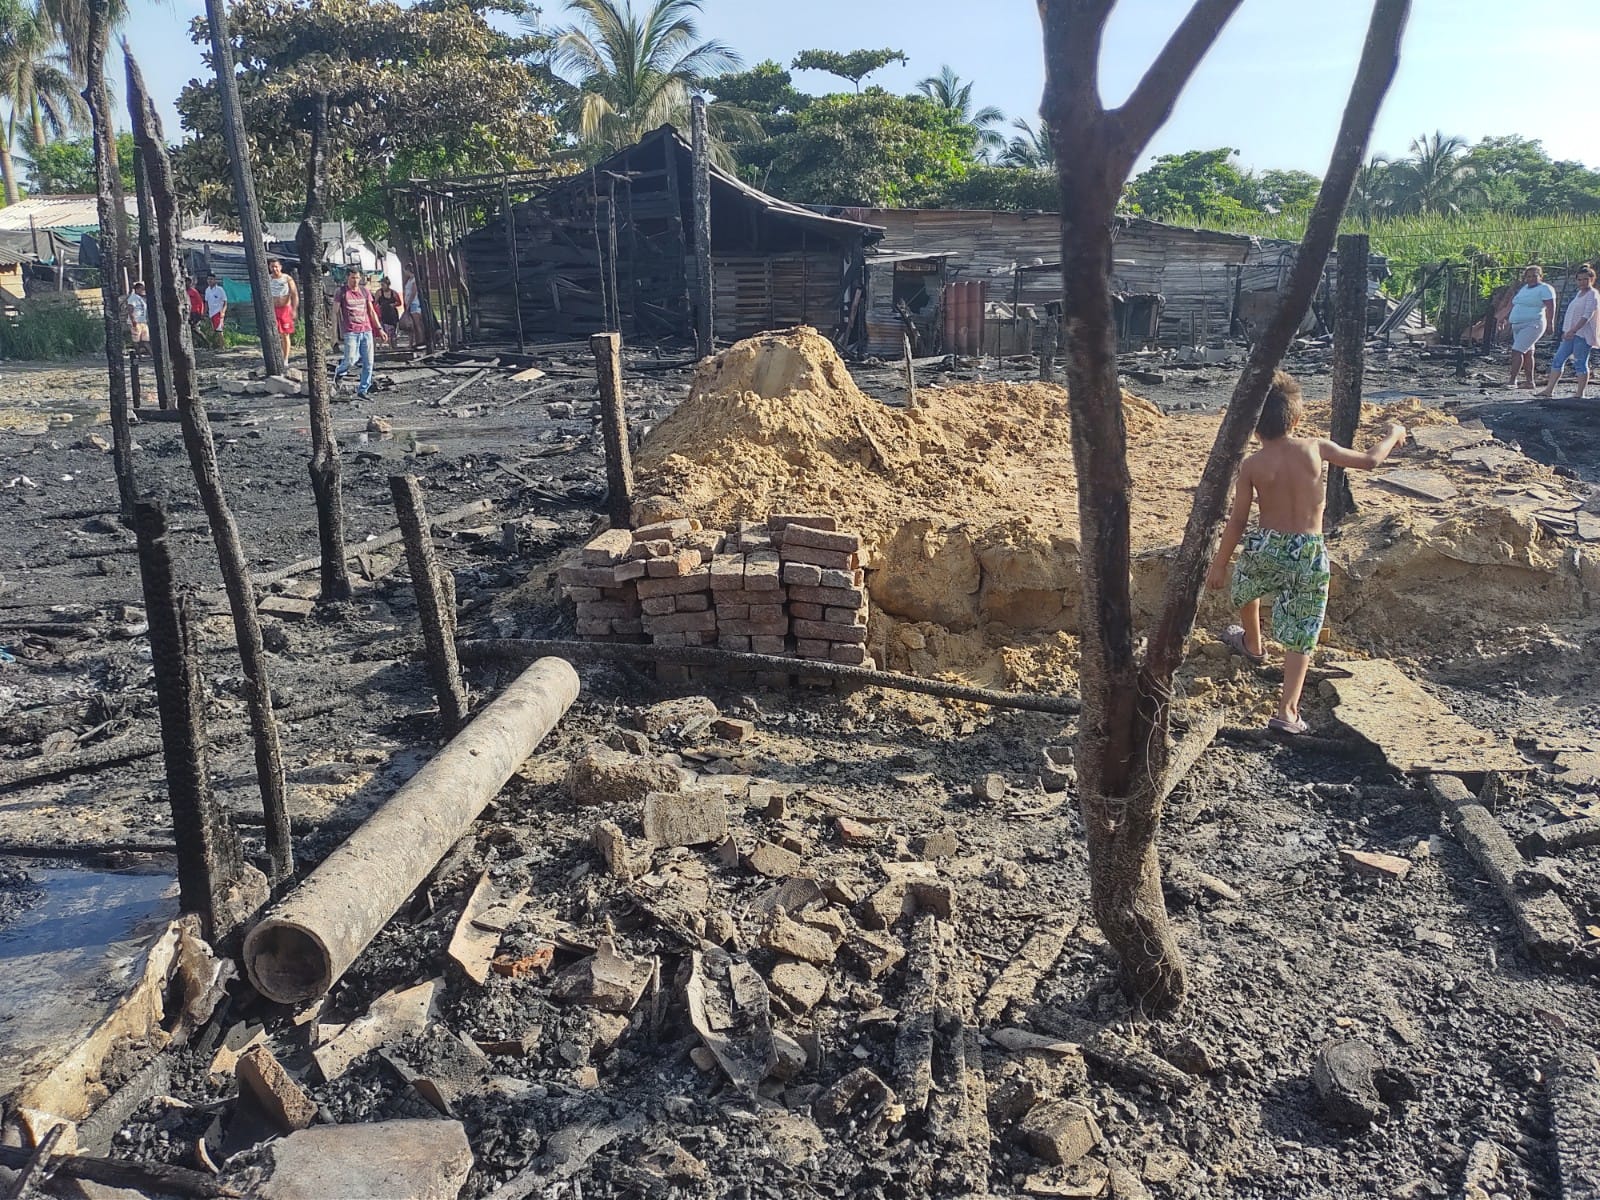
<point x="36" y="86"/>
<point x="65" y="166"/>
<point x="1514" y="174"/>
<point x="948" y="92"/>
<point x="636" y="72"/>
<point x="853" y="65"/>
<point x="1030" y="148"/>
<point x="873" y="149"/>
<point x="767" y="93"/>
<point x="1284" y="191"/>
<point x="1012" y="189"/>
<point x="412" y="90"/>
<point x="1196" y="185"/>
<point x="70" y="19"/>
<point x="1436" y="178"/>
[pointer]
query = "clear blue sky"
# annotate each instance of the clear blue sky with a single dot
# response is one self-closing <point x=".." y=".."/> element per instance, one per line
<point x="1273" y="86"/>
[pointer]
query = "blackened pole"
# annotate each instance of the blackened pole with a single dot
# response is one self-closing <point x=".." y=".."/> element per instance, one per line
<point x="244" y="184"/>
<point x="704" y="328"/>
<point x="147" y="270"/>
<point x="1349" y="364"/>
<point x="212" y="877"/>
<point x="435" y="602"/>
<point x="202" y="452"/>
<point x="607" y="349"/>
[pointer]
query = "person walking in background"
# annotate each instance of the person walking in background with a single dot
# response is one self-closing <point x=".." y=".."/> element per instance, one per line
<point x="389" y="310"/>
<point x="216" y="303"/>
<point x="1533" y="312"/>
<point x="139" y="315"/>
<point x="285" y="302"/>
<point x="199" y="328"/>
<point x="416" y="323"/>
<point x="1580" y="333"/>
<point x="358" y="324"/>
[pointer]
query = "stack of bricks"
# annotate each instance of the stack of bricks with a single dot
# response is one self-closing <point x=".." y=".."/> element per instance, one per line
<point x="826" y="588"/>
<point x="602" y="585"/>
<point x="675" y="594"/>
<point x="747" y="587"/>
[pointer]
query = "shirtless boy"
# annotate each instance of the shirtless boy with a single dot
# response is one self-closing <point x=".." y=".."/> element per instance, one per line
<point x="1285" y="556"/>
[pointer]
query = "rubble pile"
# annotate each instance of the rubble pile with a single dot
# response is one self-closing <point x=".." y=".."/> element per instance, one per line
<point x="791" y="586"/>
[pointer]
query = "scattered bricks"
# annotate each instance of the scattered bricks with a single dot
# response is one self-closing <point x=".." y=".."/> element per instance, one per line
<point x="689" y="818"/>
<point x="649" y="550"/>
<point x="874" y="953"/>
<point x="937" y="897"/>
<point x="727" y="573"/>
<point x="696" y="581"/>
<point x="659" y="606"/>
<point x="721" y="928"/>
<point x="812" y="648"/>
<point x="762" y="572"/>
<point x="730" y="729"/>
<point x="668" y="530"/>
<point x="774" y="861"/>
<point x="658" y="718"/>
<point x="802" y="574"/>
<point x="828" y="597"/>
<point x="771" y="798"/>
<point x="283" y="1100"/>
<point x="615" y="778"/>
<point x="785" y="936"/>
<point x="1378" y="866"/>
<point x="676" y="565"/>
<point x="829" y="922"/>
<point x="731" y="612"/>
<point x="806" y="612"/>
<point x="885" y="906"/>
<point x="693" y="602"/>
<point x="800" y="986"/>
<point x="621" y="860"/>
<point x="939" y="844"/>
<point x="841" y="891"/>
<point x="780" y="521"/>
<point x="821" y="558"/>
<point x="850" y="655"/>
<point x="845" y="616"/>
<point x="791" y="895"/>
<point x="737" y="642"/>
<point x="605" y="980"/>
<point x="990" y="788"/>
<point x="579" y="595"/>
<point x="835" y="578"/>
<point x="1060" y="1132"/>
<point x="610" y="548"/>
<point x="823" y="631"/>
<point x="630" y="740"/>
<point x="708" y="542"/>
<point x="855" y="833"/>
<point x="820" y="539"/>
<point x="767" y="643"/>
<point x="684" y="622"/>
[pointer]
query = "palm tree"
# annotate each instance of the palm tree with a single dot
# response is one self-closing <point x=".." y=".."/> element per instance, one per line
<point x="949" y="93"/>
<point x="1031" y="149"/>
<point x="1436" y="178"/>
<point x="1373" y="193"/>
<point x="70" y="19"/>
<point x="36" y="85"/>
<point x="637" y="70"/>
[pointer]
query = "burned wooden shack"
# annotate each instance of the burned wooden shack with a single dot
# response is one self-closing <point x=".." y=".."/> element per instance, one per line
<point x="613" y="248"/>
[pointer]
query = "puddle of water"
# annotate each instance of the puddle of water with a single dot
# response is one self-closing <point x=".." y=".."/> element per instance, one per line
<point x="66" y="961"/>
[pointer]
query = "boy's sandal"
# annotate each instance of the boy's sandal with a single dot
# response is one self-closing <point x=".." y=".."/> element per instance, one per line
<point x="1233" y="639"/>
<point x="1296" y="726"/>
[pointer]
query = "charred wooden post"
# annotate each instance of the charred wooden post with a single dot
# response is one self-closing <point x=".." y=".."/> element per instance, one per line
<point x="108" y="189"/>
<point x="514" y="257"/>
<point x="1049" y="338"/>
<point x="202" y="452"/>
<point x="147" y="269"/>
<point x="607" y="350"/>
<point x="244" y="183"/>
<point x="910" y="370"/>
<point x="704" y="326"/>
<point x="213" y="879"/>
<point x="435" y="602"/>
<point x="324" y="465"/>
<point x="1349" y="363"/>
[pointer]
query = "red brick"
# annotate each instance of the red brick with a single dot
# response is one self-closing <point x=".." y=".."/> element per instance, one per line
<point x="828" y="597"/>
<point x="594" y="628"/>
<point x="693" y="602"/>
<point x="696" y="582"/>
<point x="678" y="564"/>
<point x="806" y="612"/>
<point x="812" y="648"/>
<point x="580" y="594"/>
<point x="823" y="631"/>
<point x="767" y="644"/>
<point x="660" y="548"/>
<point x="731" y="612"/>
<point x="761" y="572"/>
<point x="822" y="558"/>
<point x="610" y="548"/>
<point x="802" y="574"/>
<point x="733" y="641"/>
<point x="836" y="578"/>
<point x="848" y="654"/>
<point x="779" y="521"/>
<point x="629" y="628"/>
<point x="845" y="616"/>
<point x="727" y="573"/>
<point x="821" y="539"/>
<point x="683" y="622"/>
<point x="611" y="610"/>
<point x="681" y="527"/>
<point x="659" y="606"/>
<point x="748" y="628"/>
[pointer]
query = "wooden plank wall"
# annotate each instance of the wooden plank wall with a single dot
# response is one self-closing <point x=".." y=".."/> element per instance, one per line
<point x="757" y="292"/>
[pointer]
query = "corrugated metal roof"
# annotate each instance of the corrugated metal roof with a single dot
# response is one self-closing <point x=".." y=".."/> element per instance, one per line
<point x="51" y="212"/>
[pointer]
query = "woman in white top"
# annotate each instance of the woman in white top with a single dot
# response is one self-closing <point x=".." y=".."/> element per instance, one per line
<point x="1580" y="333"/>
<point x="1533" y="312"/>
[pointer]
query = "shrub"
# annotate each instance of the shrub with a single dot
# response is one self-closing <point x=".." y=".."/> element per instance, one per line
<point x="51" y="330"/>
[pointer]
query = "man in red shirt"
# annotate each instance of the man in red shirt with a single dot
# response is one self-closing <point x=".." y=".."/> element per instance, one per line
<point x="358" y="325"/>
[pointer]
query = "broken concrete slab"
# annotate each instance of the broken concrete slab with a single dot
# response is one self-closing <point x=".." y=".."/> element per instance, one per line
<point x="384" y="1160"/>
<point x="799" y="985"/>
<point x="1429" y="485"/>
<point x="1443" y="439"/>
<point x="675" y="713"/>
<point x="392" y="1017"/>
<point x="287" y="607"/>
<point x="1060" y="1131"/>
<point x="607" y="980"/>
<point x="275" y="1093"/>
<point x="484" y="920"/>
<point x="1415" y="732"/>
<point x="691" y="818"/>
<point x="786" y="936"/>
<point x="622" y="860"/>
<point x="773" y="861"/>
<point x="616" y="778"/>
<point x="1496" y="460"/>
<point x="876" y="954"/>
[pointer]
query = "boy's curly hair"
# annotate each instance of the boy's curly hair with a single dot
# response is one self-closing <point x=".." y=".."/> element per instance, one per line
<point x="1283" y="409"/>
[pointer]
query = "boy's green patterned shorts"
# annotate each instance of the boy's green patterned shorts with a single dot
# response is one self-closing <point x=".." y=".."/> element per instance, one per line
<point x="1295" y="567"/>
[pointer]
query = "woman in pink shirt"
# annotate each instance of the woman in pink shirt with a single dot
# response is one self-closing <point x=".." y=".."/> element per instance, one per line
<point x="1580" y="333"/>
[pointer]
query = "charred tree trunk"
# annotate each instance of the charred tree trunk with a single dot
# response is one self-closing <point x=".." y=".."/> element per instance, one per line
<point x="244" y="183"/>
<point x="1124" y="737"/>
<point x="108" y="188"/>
<point x="159" y="358"/>
<point x="202" y="453"/>
<point x="324" y="446"/>
<point x="1349" y="364"/>
<point x="436" y="602"/>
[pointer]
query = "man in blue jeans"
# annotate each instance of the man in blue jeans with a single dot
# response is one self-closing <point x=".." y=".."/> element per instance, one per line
<point x="358" y="325"/>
